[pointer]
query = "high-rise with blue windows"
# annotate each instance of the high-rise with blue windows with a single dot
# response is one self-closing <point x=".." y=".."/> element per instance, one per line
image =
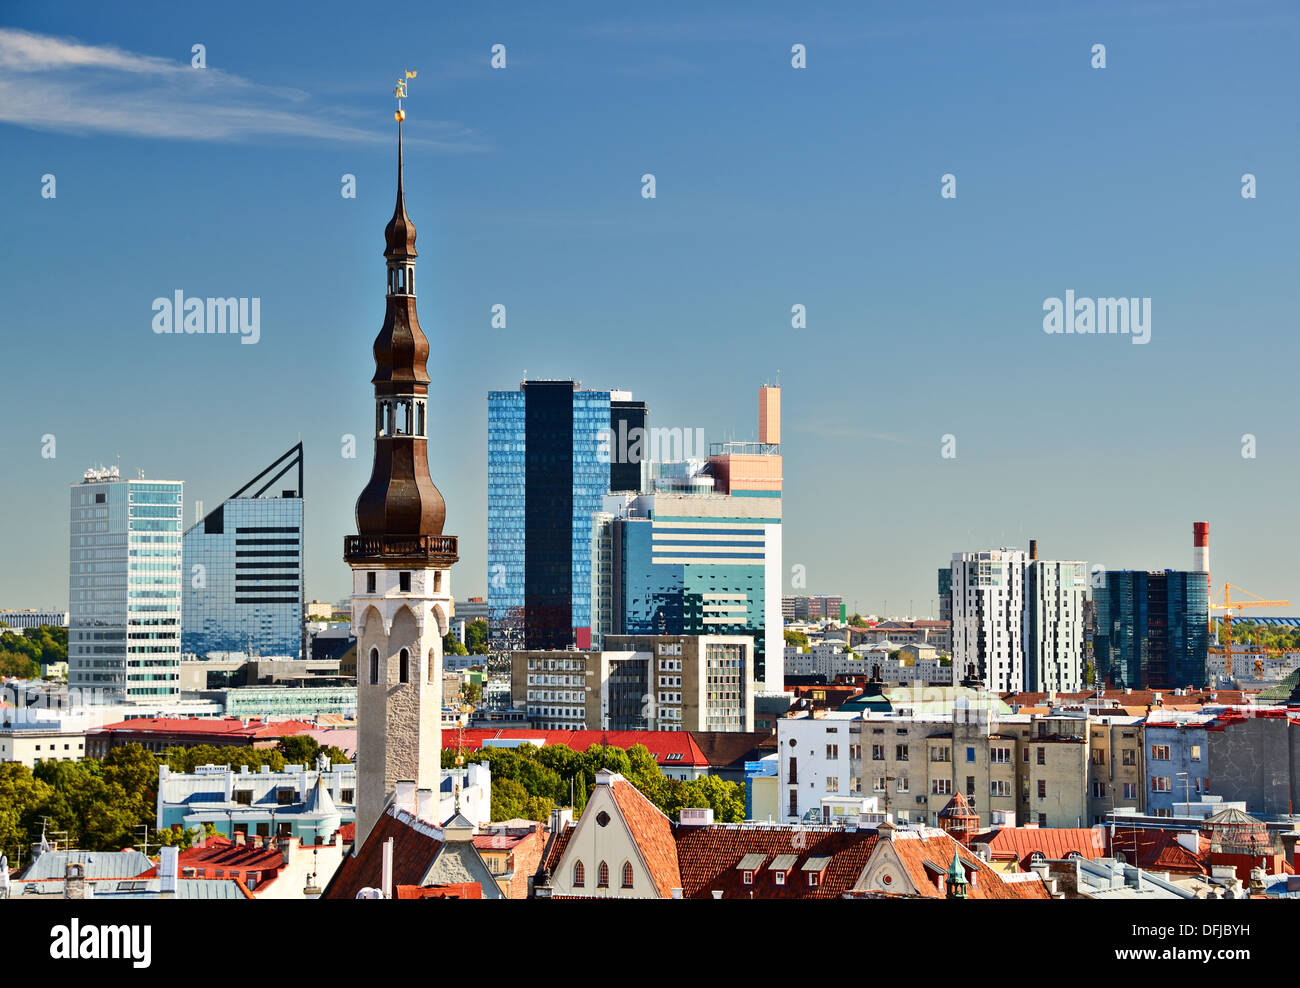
<point x="1152" y="629"/>
<point x="243" y="568"/>
<point x="124" y="586"/>
<point x="548" y="472"/>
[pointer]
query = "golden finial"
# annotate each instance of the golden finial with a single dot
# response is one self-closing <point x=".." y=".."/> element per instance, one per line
<point x="400" y="93"/>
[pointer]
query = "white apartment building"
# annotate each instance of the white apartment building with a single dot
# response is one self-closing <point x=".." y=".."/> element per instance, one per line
<point x="1055" y="592"/>
<point x="1017" y="621"/>
<point x="988" y="605"/>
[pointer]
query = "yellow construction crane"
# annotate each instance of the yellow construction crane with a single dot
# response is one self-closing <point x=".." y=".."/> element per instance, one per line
<point x="1228" y="606"/>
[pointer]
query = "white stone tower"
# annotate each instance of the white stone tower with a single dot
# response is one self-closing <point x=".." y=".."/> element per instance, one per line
<point x="401" y="562"/>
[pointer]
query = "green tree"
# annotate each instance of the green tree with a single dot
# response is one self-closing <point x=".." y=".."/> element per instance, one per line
<point x="1089" y="674"/>
<point x="23" y="798"/>
<point x="476" y="637"/>
<point x="451" y="646"/>
<point x="797" y="638"/>
<point x="299" y="749"/>
<point x="473" y="693"/>
<point x="509" y="799"/>
<point x="857" y="621"/>
<point x="18" y="665"/>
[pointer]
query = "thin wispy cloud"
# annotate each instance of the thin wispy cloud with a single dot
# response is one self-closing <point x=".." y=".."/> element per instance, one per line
<point x="64" y="85"/>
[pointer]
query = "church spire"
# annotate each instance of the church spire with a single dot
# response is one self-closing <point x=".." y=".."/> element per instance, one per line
<point x="400" y="502"/>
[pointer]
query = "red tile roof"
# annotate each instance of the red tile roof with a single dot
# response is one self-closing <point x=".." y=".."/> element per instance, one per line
<point x="653" y="833"/>
<point x="708" y="857"/>
<point x="232" y="859"/>
<point x="934" y="848"/>
<point x="669" y="748"/>
<point x="224" y="726"/>
<point x="461" y="890"/>
<point x="1053" y="843"/>
<point x="1159" y="850"/>
<point x="413" y="853"/>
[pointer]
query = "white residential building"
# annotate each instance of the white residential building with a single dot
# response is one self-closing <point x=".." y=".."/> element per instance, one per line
<point x="988" y="604"/>
<point x="1055" y="592"/>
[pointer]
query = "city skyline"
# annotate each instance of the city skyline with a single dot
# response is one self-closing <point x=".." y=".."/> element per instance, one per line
<point x="780" y="205"/>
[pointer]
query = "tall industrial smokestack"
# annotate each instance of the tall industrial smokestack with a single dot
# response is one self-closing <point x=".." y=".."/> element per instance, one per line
<point x="1201" y="547"/>
<point x="1033" y="550"/>
<point x="1201" y="556"/>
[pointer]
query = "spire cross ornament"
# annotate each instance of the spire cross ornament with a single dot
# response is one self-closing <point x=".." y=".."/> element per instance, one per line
<point x="400" y="93"/>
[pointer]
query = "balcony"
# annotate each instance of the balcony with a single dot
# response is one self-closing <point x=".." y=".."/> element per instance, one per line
<point x="415" y="550"/>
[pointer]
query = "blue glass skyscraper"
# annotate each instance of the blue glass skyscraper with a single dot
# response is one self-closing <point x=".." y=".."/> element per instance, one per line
<point x="1152" y="629"/>
<point x="548" y="470"/>
<point x="243" y="586"/>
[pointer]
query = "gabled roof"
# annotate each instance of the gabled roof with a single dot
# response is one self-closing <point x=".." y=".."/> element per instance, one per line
<point x="415" y="845"/>
<point x="653" y="833"/>
<point x="1159" y="850"/>
<point x="927" y="853"/>
<point x="231" y="859"/>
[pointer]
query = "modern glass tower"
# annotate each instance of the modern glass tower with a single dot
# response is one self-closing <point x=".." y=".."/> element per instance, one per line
<point x="1152" y="629"/>
<point x="124" y="585"/>
<point x="548" y="471"/>
<point x="243" y="568"/>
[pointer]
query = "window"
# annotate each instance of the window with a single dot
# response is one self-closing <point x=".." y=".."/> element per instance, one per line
<point x="284" y="795"/>
<point x="1130" y="757"/>
<point x="1099" y="790"/>
<point x="627" y="875"/>
<point x="1042" y="820"/>
<point x="1160" y="752"/>
<point x="855" y="751"/>
<point x="900" y="752"/>
<point x="779" y="876"/>
<point x="579" y="875"/>
<point x="1042" y="756"/>
<point x="374" y="667"/>
<point x="794" y="770"/>
<point x="941" y="787"/>
<point x="749" y="878"/>
<point x="902" y="783"/>
<point x="1099" y="756"/>
<point x="832" y="751"/>
<point x="244" y="797"/>
<point x="1000" y="756"/>
<point x="999" y="787"/>
<point x="1160" y="783"/>
<point x="970" y="754"/>
<point x="1130" y="790"/>
<point x="1042" y="788"/>
<point x="832" y="784"/>
<point x="403" y="666"/>
<point x="880" y="784"/>
<point x="813" y="879"/>
<point x="941" y="754"/>
<point x="1196" y="752"/>
<point x="602" y="876"/>
<point x="370" y="583"/>
<point x="877" y="752"/>
<point x="1024" y="752"/>
<point x="404" y="582"/>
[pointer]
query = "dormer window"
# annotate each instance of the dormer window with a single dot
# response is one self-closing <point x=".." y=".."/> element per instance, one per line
<point x="779" y="877"/>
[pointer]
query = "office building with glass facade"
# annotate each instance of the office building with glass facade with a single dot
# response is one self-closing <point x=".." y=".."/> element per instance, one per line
<point x="124" y="585"/>
<point x="548" y="471"/>
<point x="701" y="564"/>
<point x="243" y="589"/>
<point x="1152" y="629"/>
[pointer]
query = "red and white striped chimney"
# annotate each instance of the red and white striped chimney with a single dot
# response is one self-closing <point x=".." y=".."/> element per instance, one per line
<point x="1201" y="549"/>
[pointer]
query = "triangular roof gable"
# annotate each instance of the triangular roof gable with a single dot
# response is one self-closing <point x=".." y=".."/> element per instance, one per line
<point x="457" y="863"/>
<point x="581" y="835"/>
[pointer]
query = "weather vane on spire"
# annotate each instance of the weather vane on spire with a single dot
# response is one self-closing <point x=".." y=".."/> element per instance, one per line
<point x="400" y="93"/>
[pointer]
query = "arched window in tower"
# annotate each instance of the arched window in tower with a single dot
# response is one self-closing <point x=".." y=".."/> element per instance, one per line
<point x="402" y="424"/>
<point x="602" y="876"/>
<point x="432" y="662"/>
<point x="403" y="666"/>
<point x="627" y="874"/>
<point x="374" y="667"/>
<point x="579" y="875"/>
<point x="419" y="418"/>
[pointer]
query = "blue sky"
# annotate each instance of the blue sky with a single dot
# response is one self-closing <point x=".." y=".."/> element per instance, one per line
<point x="775" y="186"/>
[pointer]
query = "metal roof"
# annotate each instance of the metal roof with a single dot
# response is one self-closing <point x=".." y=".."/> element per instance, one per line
<point x="751" y="862"/>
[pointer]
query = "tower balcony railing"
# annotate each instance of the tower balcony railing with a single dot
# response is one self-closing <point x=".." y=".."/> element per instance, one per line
<point x="405" y="548"/>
